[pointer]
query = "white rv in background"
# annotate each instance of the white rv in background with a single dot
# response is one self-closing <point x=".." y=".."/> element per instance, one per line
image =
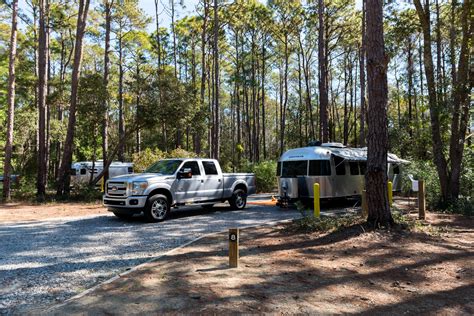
<point x="81" y="171"/>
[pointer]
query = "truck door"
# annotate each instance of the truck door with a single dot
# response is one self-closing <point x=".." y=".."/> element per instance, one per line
<point x="189" y="190"/>
<point x="212" y="188"/>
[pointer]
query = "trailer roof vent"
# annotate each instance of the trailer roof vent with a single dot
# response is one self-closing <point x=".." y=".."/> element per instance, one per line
<point x="314" y="143"/>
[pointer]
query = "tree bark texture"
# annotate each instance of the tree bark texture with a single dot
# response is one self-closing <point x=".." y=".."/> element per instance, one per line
<point x="323" y="76"/>
<point x="64" y="179"/>
<point x="7" y="167"/>
<point x="377" y="138"/>
<point x="42" y="93"/>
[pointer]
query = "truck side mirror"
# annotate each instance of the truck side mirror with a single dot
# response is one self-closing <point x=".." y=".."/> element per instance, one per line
<point x="185" y="173"/>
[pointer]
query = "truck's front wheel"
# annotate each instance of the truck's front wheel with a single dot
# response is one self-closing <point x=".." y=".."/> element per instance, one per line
<point x="157" y="208"/>
<point x="238" y="199"/>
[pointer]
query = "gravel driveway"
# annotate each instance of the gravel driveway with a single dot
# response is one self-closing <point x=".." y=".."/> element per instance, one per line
<point x="49" y="261"/>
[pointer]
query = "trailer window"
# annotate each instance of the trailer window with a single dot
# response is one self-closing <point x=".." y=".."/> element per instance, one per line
<point x="340" y="165"/>
<point x="278" y="169"/>
<point x="209" y="167"/>
<point x="83" y="171"/>
<point x="354" y="167"/>
<point x="130" y="169"/>
<point x="319" y="168"/>
<point x="295" y="168"/>
<point x="363" y="167"/>
<point x="396" y="169"/>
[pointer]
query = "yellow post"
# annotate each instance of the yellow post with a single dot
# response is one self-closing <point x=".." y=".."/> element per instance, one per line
<point x="317" y="207"/>
<point x="102" y="184"/>
<point x="365" y="208"/>
<point x="390" y="193"/>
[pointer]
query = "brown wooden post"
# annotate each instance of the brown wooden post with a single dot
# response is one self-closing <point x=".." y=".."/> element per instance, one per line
<point x="421" y="199"/>
<point x="233" y="247"/>
<point x="365" y="208"/>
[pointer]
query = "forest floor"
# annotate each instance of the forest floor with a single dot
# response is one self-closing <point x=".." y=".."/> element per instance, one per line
<point x="23" y="211"/>
<point x="428" y="268"/>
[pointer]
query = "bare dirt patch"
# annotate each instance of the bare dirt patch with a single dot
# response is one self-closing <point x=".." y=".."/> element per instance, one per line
<point x="17" y="212"/>
<point x="429" y="269"/>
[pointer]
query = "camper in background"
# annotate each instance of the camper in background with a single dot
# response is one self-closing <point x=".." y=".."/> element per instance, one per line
<point x="81" y="172"/>
<point x="338" y="169"/>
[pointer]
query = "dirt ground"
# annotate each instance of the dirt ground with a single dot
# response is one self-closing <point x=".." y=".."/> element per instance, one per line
<point x="428" y="270"/>
<point x="18" y="212"/>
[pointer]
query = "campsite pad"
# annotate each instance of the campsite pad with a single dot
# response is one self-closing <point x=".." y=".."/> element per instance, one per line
<point x="341" y="272"/>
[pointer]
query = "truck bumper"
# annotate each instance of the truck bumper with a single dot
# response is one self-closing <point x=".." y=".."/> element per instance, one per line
<point x="133" y="203"/>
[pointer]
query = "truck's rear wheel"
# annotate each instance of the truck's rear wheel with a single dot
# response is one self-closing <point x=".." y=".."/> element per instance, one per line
<point x="238" y="199"/>
<point x="157" y="208"/>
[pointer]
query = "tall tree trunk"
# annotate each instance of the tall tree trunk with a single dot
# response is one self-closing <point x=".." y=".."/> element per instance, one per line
<point x="410" y="84"/>
<point x="377" y="138"/>
<point x="323" y="76"/>
<point x="105" y="120"/>
<point x="158" y="40"/>
<point x="42" y="93"/>
<point x="121" y="123"/>
<point x="439" y="159"/>
<point x="284" y="104"/>
<point x="7" y="167"/>
<point x="362" y="57"/>
<point x="64" y="179"/>
<point x="264" y="138"/>
<point x="216" y="145"/>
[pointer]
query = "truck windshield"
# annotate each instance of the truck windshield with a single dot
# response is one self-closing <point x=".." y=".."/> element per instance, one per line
<point x="164" y="167"/>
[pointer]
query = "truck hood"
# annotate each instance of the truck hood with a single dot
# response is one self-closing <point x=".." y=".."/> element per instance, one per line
<point x="149" y="177"/>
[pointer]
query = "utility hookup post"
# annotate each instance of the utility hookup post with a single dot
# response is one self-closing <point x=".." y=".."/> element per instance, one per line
<point x="234" y="247"/>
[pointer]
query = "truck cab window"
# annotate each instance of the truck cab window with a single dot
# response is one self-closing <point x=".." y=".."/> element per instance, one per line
<point x="209" y="168"/>
<point x="193" y="165"/>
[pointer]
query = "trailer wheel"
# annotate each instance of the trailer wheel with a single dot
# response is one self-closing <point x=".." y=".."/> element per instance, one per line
<point x="238" y="199"/>
<point x="157" y="208"/>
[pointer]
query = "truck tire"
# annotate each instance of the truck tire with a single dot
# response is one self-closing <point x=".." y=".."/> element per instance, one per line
<point x="238" y="199"/>
<point x="157" y="208"/>
<point x="123" y="216"/>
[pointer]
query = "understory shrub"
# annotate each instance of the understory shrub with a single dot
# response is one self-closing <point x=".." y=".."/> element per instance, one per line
<point x="265" y="174"/>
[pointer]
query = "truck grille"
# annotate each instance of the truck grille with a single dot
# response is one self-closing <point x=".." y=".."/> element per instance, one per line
<point x="116" y="189"/>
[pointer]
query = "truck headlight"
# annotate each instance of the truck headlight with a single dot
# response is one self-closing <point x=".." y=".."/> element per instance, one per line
<point x="139" y="187"/>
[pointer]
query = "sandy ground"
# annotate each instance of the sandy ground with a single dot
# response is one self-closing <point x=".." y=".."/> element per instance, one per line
<point x="17" y="212"/>
<point x="424" y="271"/>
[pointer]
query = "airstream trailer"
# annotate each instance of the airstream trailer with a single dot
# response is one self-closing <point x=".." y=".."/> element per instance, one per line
<point x="81" y="171"/>
<point x="339" y="170"/>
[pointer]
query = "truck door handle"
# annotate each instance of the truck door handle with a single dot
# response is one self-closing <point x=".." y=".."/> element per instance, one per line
<point x="219" y="180"/>
<point x="202" y="181"/>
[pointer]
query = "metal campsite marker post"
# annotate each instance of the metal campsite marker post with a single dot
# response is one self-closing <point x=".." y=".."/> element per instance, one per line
<point x="233" y="247"/>
<point x="421" y="199"/>
<point x="317" y="207"/>
<point x="390" y="193"/>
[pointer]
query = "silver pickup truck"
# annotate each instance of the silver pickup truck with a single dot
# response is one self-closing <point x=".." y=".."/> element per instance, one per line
<point x="175" y="182"/>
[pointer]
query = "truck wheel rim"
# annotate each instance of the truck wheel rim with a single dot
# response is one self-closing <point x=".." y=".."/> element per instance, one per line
<point x="239" y="200"/>
<point x="159" y="208"/>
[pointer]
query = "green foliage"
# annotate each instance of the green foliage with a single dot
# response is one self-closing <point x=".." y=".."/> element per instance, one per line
<point x="426" y="170"/>
<point x="265" y="174"/>
<point x="309" y="224"/>
<point x="147" y="157"/>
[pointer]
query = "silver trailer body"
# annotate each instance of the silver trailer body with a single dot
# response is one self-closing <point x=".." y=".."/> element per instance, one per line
<point x="81" y="171"/>
<point x="339" y="170"/>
